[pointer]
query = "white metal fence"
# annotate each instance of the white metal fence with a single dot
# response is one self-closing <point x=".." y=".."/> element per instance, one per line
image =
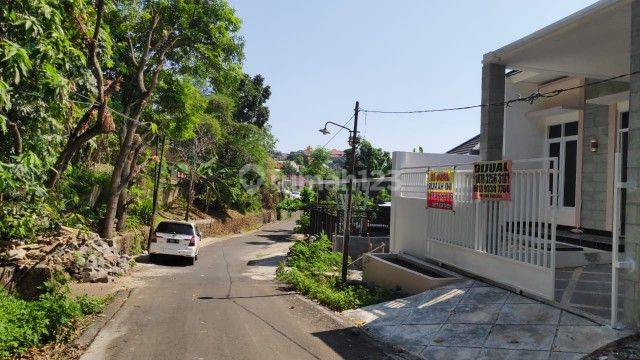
<point x="519" y="234"/>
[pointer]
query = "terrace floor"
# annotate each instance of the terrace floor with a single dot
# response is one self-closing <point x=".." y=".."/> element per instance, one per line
<point x="586" y="288"/>
<point x="474" y="320"/>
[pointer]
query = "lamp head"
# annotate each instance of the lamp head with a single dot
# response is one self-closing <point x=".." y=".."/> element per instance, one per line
<point x="325" y="131"/>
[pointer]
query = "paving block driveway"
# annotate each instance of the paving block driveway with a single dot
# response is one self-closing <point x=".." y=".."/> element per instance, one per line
<point x="474" y="320"/>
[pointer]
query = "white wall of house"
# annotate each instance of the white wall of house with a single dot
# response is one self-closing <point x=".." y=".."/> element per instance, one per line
<point x="523" y="137"/>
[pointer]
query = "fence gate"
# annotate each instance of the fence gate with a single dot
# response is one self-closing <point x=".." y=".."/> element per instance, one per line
<point x="510" y="242"/>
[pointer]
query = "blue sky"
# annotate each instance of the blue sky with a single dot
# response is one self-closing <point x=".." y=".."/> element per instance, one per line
<point x="321" y="56"/>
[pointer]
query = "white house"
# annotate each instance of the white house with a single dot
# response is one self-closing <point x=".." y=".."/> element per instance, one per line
<point x="584" y="123"/>
<point x="583" y="119"/>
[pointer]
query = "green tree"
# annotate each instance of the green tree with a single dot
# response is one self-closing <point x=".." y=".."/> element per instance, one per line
<point x="86" y="128"/>
<point x="250" y="104"/>
<point x="41" y="60"/>
<point x="318" y="163"/>
<point x="370" y="161"/>
<point x="197" y="38"/>
<point x="289" y="169"/>
<point x="298" y="157"/>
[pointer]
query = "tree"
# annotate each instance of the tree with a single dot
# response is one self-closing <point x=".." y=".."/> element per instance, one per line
<point x="318" y="163"/>
<point x="40" y="60"/>
<point x="370" y="161"/>
<point x="97" y="118"/>
<point x="289" y="169"/>
<point x="250" y="104"/>
<point x="196" y="38"/>
<point x="195" y="131"/>
<point x="298" y="157"/>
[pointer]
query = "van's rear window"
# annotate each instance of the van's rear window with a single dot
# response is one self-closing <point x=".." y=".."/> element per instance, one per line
<point x="174" y="228"/>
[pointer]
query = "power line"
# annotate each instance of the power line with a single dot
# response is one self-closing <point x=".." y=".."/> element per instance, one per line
<point x="338" y="132"/>
<point x="530" y="99"/>
<point x="96" y="103"/>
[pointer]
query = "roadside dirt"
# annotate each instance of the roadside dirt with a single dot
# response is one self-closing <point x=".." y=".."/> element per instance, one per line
<point x="141" y="273"/>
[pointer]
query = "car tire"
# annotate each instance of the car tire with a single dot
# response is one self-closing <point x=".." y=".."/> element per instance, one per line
<point x="191" y="260"/>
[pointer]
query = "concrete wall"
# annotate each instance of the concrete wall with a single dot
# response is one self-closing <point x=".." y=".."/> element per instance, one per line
<point x="408" y="215"/>
<point x="410" y="159"/>
<point x="359" y="245"/>
<point x="524" y="137"/>
<point x="593" y="212"/>
<point x="217" y="227"/>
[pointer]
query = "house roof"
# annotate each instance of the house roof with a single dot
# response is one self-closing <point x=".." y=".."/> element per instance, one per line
<point x="469" y="147"/>
<point x="336" y="153"/>
<point x="592" y="42"/>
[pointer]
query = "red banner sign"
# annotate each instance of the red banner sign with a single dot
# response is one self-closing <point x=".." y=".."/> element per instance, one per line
<point x="440" y="189"/>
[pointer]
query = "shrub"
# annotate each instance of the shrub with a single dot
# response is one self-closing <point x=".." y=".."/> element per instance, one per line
<point x="25" y="324"/>
<point x="313" y="272"/>
<point x="314" y="255"/>
<point x="307" y="196"/>
<point x="25" y="212"/>
<point x="383" y="196"/>
<point x="303" y="225"/>
<point x="289" y="204"/>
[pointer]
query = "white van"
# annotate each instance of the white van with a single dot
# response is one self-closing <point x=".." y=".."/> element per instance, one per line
<point x="176" y="238"/>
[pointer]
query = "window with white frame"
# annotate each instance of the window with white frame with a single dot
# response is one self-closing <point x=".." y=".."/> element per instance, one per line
<point x="623" y="149"/>
<point x="562" y="143"/>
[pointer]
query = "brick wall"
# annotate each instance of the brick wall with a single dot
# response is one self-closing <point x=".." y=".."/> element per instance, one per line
<point x="630" y="280"/>
<point x="594" y="167"/>
<point x="492" y="117"/>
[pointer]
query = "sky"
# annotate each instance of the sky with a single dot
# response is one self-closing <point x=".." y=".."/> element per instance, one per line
<point x="319" y="57"/>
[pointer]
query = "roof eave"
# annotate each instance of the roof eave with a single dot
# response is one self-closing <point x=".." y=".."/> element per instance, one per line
<point x="575" y="19"/>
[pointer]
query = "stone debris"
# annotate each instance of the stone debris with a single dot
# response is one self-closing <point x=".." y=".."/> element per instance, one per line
<point x="82" y="254"/>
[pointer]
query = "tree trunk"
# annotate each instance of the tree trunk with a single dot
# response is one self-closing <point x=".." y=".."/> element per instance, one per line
<point x="189" y="195"/>
<point x="115" y="186"/>
<point x="121" y="211"/>
<point x="70" y="149"/>
<point x="17" y="137"/>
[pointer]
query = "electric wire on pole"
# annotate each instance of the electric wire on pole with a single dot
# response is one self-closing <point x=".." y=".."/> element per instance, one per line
<point x="347" y="222"/>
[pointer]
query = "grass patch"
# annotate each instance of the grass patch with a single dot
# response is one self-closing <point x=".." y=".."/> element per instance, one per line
<point x="313" y="270"/>
<point x="52" y="318"/>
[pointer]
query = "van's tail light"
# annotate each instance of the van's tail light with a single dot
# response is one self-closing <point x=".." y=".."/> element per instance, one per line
<point x="192" y="242"/>
<point x="154" y="238"/>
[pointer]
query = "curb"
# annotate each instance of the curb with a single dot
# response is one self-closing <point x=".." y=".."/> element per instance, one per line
<point x="91" y="332"/>
<point x="391" y="351"/>
<point x="601" y="351"/>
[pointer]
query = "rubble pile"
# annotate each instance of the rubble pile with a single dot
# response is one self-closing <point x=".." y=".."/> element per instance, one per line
<point x="82" y="254"/>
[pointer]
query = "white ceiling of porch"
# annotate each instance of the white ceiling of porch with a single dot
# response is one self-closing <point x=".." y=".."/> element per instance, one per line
<point x="593" y="42"/>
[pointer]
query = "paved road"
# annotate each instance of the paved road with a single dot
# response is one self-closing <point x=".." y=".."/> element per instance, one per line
<point x="215" y="310"/>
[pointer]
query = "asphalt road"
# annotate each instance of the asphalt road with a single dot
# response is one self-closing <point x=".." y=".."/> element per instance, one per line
<point x="215" y="310"/>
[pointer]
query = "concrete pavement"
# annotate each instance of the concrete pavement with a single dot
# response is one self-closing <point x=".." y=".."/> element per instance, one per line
<point x="225" y="307"/>
<point x="474" y="320"/>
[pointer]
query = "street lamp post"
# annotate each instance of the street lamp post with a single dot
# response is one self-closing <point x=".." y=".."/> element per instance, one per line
<point x="347" y="226"/>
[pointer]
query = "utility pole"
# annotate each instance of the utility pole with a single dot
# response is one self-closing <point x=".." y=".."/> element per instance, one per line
<point x="190" y="195"/>
<point x="347" y="225"/>
<point x="156" y="185"/>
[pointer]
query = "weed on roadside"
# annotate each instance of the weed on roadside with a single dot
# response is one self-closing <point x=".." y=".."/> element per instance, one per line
<point x="25" y="324"/>
<point x="312" y="271"/>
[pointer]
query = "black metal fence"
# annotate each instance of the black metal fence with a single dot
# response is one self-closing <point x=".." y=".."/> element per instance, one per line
<point x="369" y="221"/>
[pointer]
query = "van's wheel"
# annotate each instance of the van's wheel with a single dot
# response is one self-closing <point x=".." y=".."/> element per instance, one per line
<point x="153" y="258"/>
<point x="192" y="260"/>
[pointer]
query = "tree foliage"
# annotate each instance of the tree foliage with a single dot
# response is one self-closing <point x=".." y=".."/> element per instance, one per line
<point x="252" y="95"/>
<point x="370" y="161"/>
<point x="87" y="88"/>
